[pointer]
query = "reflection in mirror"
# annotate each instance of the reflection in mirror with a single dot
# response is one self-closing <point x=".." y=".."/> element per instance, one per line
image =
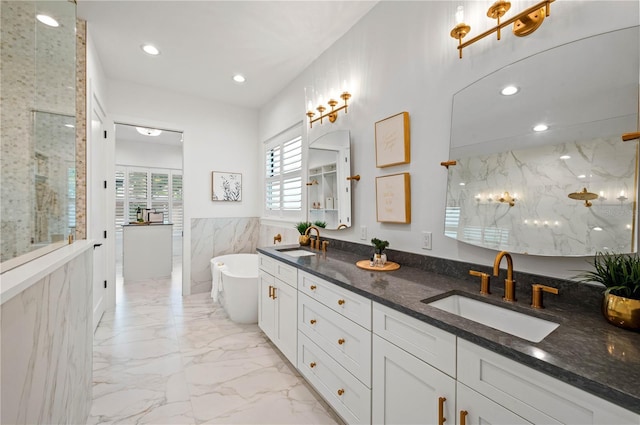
<point x="511" y="185"/>
<point x="328" y="190"/>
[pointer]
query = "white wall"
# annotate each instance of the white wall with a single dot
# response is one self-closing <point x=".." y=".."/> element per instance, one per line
<point x="150" y="155"/>
<point x="216" y="137"/>
<point x="400" y="57"/>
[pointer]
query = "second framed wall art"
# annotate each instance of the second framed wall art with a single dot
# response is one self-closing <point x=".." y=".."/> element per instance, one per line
<point x="393" y="198"/>
<point x="226" y="186"/>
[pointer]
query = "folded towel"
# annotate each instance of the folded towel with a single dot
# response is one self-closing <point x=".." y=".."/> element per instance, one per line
<point x="216" y="284"/>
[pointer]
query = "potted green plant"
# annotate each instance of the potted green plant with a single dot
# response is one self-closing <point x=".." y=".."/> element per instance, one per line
<point x="620" y="275"/>
<point x="380" y="258"/>
<point x="302" y="229"/>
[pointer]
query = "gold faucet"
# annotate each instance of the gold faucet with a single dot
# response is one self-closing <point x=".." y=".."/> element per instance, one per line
<point x="314" y="244"/>
<point x="277" y="238"/>
<point x="509" y="284"/>
<point x="484" y="281"/>
<point x="536" y="294"/>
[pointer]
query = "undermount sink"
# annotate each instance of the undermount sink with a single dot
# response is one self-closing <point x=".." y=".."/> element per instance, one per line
<point x="297" y="252"/>
<point x="512" y="322"/>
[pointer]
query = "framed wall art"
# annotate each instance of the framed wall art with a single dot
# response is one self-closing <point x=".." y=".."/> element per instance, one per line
<point x="392" y="140"/>
<point x="393" y="198"/>
<point x="226" y="186"/>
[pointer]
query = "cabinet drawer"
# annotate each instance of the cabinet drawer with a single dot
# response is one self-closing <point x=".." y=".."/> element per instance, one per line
<point x="536" y="397"/>
<point x="267" y="264"/>
<point x="286" y="273"/>
<point x="428" y="343"/>
<point x="345" y="302"/>
<point x="348" y="396"/>
<point x="348" y="343"/>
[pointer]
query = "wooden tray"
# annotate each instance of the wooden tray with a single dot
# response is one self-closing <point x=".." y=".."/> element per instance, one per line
<point x="388" y="266"/>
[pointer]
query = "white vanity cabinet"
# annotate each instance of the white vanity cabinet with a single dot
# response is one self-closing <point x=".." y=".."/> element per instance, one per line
<point x="278" y="305"/>
<point x="334" y="345"/>
<point x="533" y="395"/>
<point x="410" y="358"/>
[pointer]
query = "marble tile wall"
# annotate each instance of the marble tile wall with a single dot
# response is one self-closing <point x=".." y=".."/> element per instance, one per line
<point x="46" y="346"/>
<point x="37" y="72"/>
<point x="211" y="237"/>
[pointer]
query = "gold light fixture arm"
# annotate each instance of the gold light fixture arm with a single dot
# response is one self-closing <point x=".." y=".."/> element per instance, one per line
<point x="332" y="115"/>
<point x="525" y="22"/>
<point x="630" y="136"/>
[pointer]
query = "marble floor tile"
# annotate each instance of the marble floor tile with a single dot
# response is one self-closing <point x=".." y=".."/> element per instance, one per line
<point x="160" y="358"/>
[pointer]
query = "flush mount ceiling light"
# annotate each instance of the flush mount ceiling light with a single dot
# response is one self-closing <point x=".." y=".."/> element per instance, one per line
<point x="150" y="49"/>
<point x="541" y="127"/>
<point x="153" y="132"/>
<point x="47" y="20"/>
<point x="509" y="91"/>
<point x="239" y="78"/>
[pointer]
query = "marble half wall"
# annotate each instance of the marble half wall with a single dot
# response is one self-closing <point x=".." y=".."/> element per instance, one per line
<point x="218" y="236"/>
<point x="47" y="348"/>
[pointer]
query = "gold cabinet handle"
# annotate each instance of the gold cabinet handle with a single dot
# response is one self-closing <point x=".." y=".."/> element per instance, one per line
<point x="441" y="418"/>
<point x="341" y="341"/>
<point x="312" y="321"/>
<point x="274" y="293"/>
<point x="312" y="365"/>
<point x="340" y="302"/>
<point x="270" y="291"/>
<point x="463" y="417"/>
<point x="312" y="287"/>
<point x="340" y="391"/>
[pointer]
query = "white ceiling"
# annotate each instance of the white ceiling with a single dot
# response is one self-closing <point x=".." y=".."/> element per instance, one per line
<point x="204" y="43"/>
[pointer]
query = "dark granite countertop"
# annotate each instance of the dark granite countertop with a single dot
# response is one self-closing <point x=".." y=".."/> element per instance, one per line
<point x="584" y="351"/>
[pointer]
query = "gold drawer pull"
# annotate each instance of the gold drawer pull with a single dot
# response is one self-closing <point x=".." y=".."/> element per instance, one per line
<point x="340" y="302"/>
<point x="441" y="418"/>
<point x="270" y="291"/>
<point x="312" y="321"/>
<point x="341" y="341"/>
<point x="340" y="391"/>
<point x="463" y="417"/>
<point x="312" y="365"/>
<point x="274" y="293"/>
<point x="312" y="287"/>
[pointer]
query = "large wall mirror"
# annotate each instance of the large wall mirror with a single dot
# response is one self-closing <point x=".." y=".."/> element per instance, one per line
<point x="328" y="190"/>
<point x="567" y="187"/>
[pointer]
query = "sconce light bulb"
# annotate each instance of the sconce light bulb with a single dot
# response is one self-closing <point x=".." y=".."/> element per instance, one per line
<point x="460" y="15"/>
<point x="320" y="100"/>
<point x="309" y="106"/>
<point x="622" y="193"/>
<point x="345" y="86"/>
<point x="541" y="127"/>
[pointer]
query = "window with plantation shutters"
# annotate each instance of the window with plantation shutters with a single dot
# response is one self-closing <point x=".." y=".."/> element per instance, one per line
<point x="283" y="174"/>
<point x="159" y="190"/>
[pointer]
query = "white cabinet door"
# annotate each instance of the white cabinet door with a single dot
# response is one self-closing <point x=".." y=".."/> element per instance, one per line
<point x="285" y="335"/>
<point x="479" y="410"/>
<point x="406" y="390"/>
<point x="266" y="306"/>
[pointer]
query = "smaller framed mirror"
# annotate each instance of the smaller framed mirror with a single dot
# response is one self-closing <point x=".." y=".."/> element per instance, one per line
<point x="328" y="190"/>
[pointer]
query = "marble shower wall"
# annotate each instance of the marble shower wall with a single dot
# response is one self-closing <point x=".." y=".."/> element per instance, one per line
<point x="37" y="65"/>
<point x="211" y="237"/>
<point x="47" y="346"/>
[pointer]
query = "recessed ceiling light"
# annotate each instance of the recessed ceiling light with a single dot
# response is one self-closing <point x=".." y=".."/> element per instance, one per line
<point x="597" y="229"/>
<point x="581" y="176"/>
<point x="70" y="126"/>
<point x="239" y="78"/>
<point x="149" y="131"/>
<point x="462" y="183"/>
<point x="565" y="157"/>
<point x="150" y="49"/>
<point x="541" y="127"/>
<point x="509" y="90"/>
<point x="47" y="20"/>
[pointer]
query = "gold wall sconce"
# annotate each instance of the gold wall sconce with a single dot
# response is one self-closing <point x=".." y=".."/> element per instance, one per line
<point x="585" y="196"/>
<point x="332" y="115"/>
<point x="524" y="23"/>
<point x="508" y="199"/>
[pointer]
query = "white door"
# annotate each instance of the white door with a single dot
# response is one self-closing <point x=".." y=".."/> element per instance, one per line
<point x="286" y="320"/>
<point x="406" y="390"/>
<point x="97" y="208"/>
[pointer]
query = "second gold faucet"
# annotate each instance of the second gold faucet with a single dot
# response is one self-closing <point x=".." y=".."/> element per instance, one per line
<point x="509" y="283"/>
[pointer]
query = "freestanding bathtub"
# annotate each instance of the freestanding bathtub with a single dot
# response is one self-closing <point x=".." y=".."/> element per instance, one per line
<point x="235" y="283"/>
